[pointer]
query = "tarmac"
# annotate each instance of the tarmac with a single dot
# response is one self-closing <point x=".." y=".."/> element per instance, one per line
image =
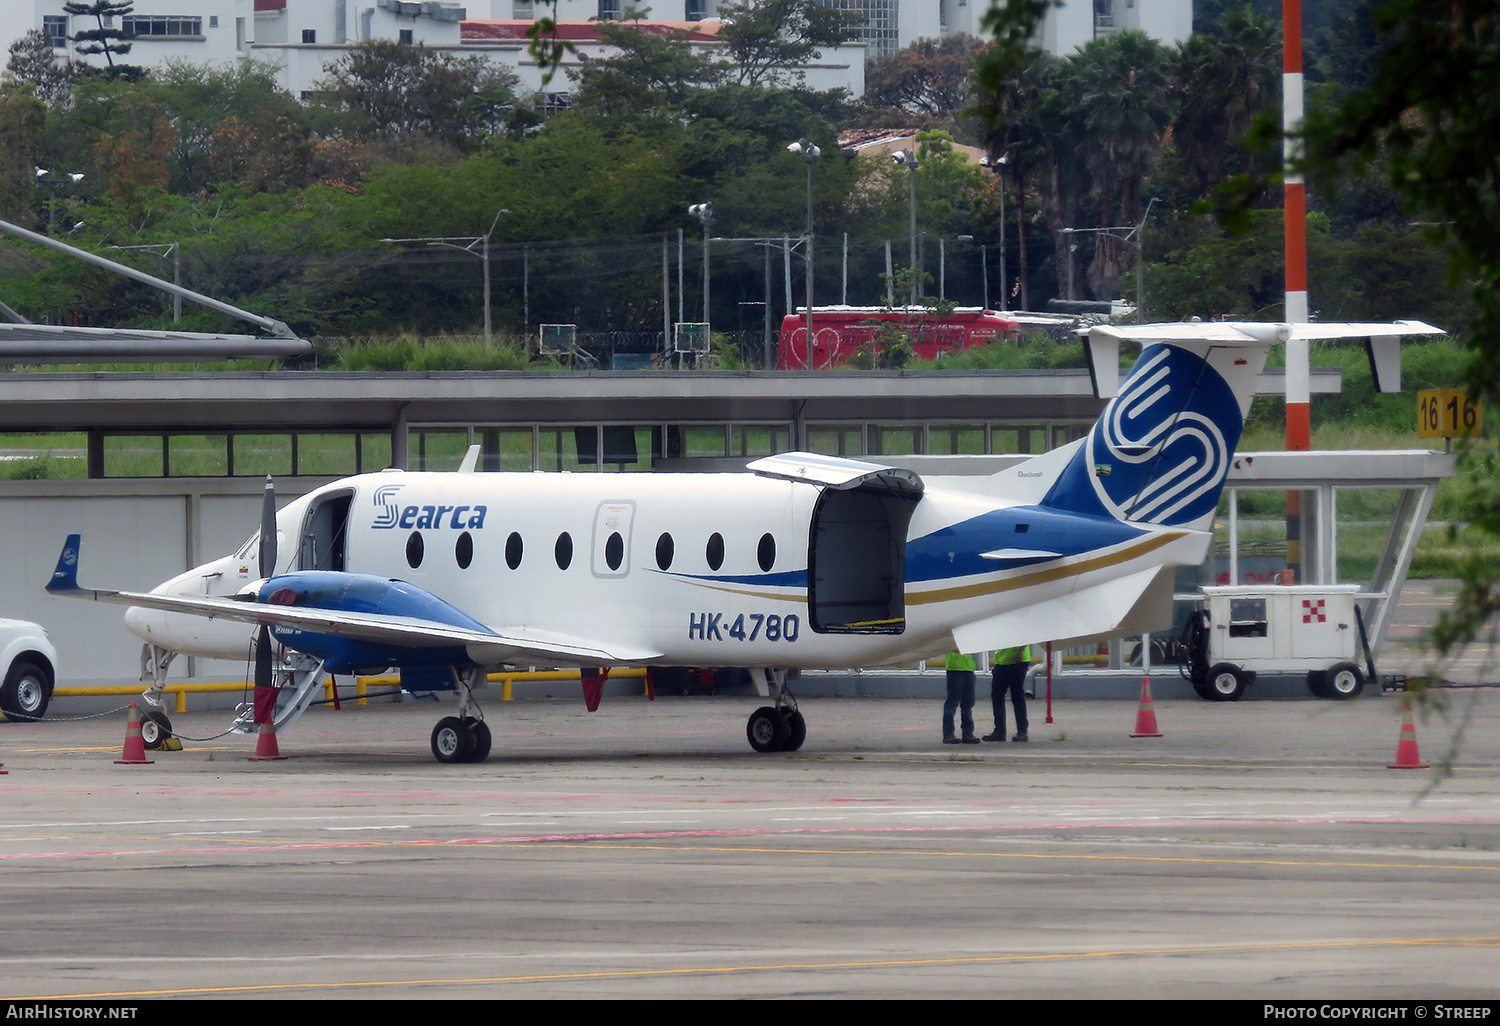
<point x="1259" y="851"/>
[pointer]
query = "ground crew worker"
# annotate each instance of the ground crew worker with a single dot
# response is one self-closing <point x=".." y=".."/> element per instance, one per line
<point x="1008" y="674"/>
<point x="960" y="696"/>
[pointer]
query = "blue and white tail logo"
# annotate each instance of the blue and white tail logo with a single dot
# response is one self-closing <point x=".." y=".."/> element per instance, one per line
<point x="1160" y="452"/>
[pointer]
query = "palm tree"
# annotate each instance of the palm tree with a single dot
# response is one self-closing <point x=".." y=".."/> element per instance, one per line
<point x="1126" y="106"/>
<point x="1227" y="79"/>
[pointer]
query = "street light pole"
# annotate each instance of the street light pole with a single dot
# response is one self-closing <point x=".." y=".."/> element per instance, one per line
<point x="469" y="242"/>
<point x="909" y="159"/>
<point x="998" y="165"/>
<point x="164" y="250"/>
<point x="704" y="212"/>
<point x="809" y="154"/>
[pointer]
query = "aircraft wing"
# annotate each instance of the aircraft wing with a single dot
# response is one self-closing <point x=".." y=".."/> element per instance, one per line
<point x="484" y="645"/>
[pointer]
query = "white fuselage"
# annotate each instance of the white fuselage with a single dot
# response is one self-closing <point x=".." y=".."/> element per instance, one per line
<point x="698" y="569"/>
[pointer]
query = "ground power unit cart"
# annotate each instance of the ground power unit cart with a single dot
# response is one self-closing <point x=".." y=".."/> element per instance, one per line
<point x="1243" y="631"/>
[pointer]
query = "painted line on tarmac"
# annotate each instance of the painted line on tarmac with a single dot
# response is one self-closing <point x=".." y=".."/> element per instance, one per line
<point x="625" y="842"/>
<point x="783" y="967"/>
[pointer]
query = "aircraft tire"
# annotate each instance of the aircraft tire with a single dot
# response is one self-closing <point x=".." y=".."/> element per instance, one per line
<point x="155" y="728"/>
<point x="479" y="733"/>
<point x="1342" y="682"/>
<point x="767" y="730"/>
<point x="451" y="740"/>
<point x="796" y="731"/>
<point x="1226" y="682"/>
<point x="25" y="693"/>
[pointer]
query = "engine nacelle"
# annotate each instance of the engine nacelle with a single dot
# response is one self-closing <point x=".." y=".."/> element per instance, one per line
<point x="364" y="593"/>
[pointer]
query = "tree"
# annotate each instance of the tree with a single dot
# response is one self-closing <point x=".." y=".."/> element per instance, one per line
<point x="767" y="40"/>
<point x="1126" y="109"/>
<point x="652" y="71"/>
<point x="22" y="118"/>
<point x="1228" y="79"/>
<point x="402" y="94"/>
<point x="32" y="60"/>
<point x="200" y="99"/>
<point x="105" y="39"/>
<point x="931" y="76"/>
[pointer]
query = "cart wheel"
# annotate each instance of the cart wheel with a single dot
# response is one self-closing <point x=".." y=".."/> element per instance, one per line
<point x="1344" y="681"/>
<point x="1226" y="682"/>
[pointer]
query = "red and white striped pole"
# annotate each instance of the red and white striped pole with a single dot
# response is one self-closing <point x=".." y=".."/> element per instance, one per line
<point x="1298" y="384"/>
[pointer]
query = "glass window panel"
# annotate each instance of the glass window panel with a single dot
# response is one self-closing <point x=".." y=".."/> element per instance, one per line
<point x="133" y="455"/>
<point x="331" y="455"/>
<point x="759" y="439"/>
<point x="1018" y="438"/>
<point x="198" y="455"/>
<point x="505" y="449"/>
<point x="436" y="449"/>
<point x="259" y="455"/>
<point x="706" y="440"/>
<point x="835" y="439"/>
<point x="558" y="449"/>
<point x="896" y="439"/>
<point x="375" y="451"/>
<point x="955" y="439"/>
<point x="36" y="456"/>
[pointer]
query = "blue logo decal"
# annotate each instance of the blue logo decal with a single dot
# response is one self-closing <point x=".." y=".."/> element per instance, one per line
<point x="1160" y="452"/>
<point x="407" y="518"/>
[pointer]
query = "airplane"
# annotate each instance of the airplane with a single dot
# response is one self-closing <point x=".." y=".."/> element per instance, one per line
<point x="806" y="561"/>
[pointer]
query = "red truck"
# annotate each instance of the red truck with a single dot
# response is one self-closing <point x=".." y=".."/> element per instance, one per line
<point x="840" y="330"/>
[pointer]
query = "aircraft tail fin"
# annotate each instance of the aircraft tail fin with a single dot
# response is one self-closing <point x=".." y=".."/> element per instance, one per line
<point x="1160" y="451"/>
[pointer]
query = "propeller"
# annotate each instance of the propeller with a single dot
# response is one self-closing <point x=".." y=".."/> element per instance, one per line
<point x="268" y="530"/>
<point x="267" y="569"/>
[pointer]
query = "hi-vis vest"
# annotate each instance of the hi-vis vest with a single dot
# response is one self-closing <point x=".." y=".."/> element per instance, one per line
<point x="1008" y="656"/>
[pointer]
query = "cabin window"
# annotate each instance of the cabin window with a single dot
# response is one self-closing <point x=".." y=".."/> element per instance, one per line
<point x="665" y="549"/>
<point x="463" y="550"/>
<point x="414" y="550"/>
<point x="564" y="550"/>
<point x="715" y="551"/>
<point x="614" y="551"/>
<point x="765" y="553"/>
<point x="513" y="550"/>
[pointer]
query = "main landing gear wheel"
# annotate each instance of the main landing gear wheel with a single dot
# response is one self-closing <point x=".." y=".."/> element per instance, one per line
<point x="1343" y="681"/>
<point x="1226" y="683"/>
<point x="479" y="734"/>
<point x="155" y="728"/>
<point x="796" y="731"/>
<point x="452" y="741"/>
<point x="768" y="730"/>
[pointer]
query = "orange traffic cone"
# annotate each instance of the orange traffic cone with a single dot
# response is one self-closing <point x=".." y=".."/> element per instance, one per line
<point x="1406" y="748"/>
<point x="134" y="753"/>
<point x="265" y="745"/>
<point x="1145" y="717"/>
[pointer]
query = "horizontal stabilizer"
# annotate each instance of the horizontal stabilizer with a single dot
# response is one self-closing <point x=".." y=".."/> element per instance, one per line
<point x="1103" y="609"/>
